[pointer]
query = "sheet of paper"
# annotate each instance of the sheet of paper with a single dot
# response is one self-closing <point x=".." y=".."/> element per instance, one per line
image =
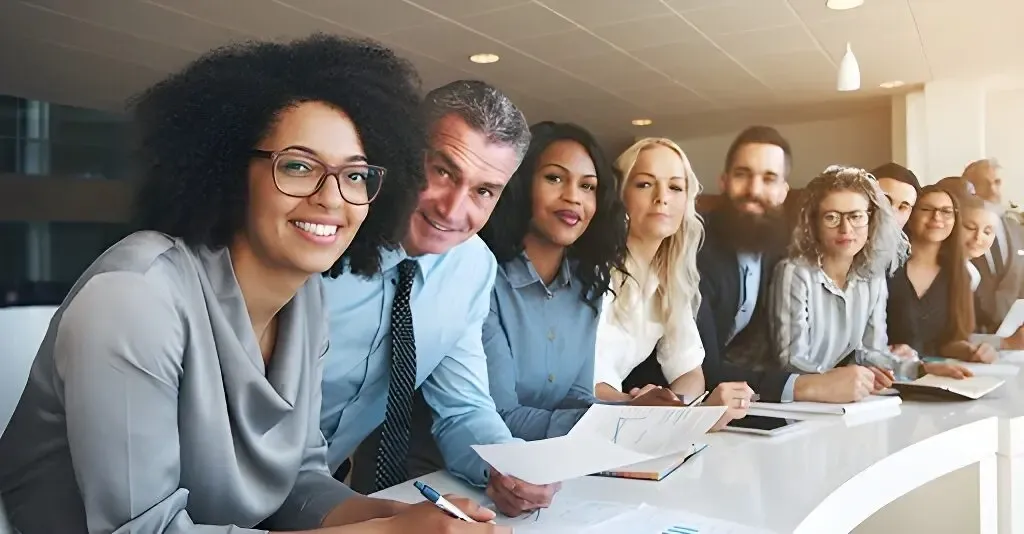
<point x="653" y="430"/>
<point x="651" y="520"/>
<point x="874" y="402"/>
<point x="567" y="515"/>
<point x="1014" y="319"/>
<point x="606" y="438"/>
<point x="974" y="387"/>
<point x="556" y="459"/>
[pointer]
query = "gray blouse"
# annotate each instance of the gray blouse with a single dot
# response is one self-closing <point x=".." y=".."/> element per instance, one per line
<point x="149" y="408"/>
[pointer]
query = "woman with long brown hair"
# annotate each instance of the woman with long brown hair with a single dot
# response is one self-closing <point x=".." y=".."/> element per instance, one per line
<point x="931" y="296"/>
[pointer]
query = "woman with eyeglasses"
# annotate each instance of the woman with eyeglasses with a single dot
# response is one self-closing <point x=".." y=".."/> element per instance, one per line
<point x="932" y="293"/>
<point x="178" y="387"/>
<point x="829" y="296"/>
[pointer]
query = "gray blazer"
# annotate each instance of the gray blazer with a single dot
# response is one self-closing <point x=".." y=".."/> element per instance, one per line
<point x="149" y="409"/>
<point x="995" y="295"/>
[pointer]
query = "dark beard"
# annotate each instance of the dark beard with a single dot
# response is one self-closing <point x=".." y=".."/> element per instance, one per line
<point x="747" y="232"/>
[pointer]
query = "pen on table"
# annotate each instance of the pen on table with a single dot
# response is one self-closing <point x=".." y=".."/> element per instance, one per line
<point x="433" y="496"/>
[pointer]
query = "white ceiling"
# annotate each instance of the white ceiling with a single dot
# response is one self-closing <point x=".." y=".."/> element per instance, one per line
<point x="687" y="64"/>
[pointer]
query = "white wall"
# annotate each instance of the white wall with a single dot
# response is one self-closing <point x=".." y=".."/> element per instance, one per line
<point x="863" y="140"/>
<point x="939" y="129"/>
<point x="1004" y="139"/>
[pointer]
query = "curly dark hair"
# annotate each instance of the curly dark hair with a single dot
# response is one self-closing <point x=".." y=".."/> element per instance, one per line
<point x="197" y="129"/>
<point x="601" y="248"/>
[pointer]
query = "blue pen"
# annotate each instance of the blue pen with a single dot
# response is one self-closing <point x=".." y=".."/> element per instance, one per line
<point x="433" y="496"/>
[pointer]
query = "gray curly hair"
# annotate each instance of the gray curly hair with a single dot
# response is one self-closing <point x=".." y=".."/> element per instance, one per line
<point x="887" y="247"/>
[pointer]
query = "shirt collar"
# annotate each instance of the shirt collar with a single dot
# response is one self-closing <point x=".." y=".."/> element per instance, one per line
<point x="521" y="273"/>
<point x="391" y="258"/>
<point x="852" y="279"/>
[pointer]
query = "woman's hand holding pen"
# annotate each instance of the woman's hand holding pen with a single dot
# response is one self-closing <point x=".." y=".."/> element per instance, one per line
<point x="735" y="396"/>
<point x="425" y="517"/>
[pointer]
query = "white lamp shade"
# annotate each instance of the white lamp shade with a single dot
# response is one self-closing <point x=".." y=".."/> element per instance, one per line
<point x="840" y="5"/>
<point x="849" y="72"/>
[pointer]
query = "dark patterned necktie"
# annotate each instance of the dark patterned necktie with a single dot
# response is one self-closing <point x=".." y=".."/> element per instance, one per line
<point x="394" y="439"/>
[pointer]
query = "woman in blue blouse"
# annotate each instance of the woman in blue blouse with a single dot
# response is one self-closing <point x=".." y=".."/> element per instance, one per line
<point x="557" y="232"/>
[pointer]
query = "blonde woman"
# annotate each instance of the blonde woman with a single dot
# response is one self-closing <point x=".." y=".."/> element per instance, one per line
<point x="829" y="296"/>
<point x="654" y="305"/>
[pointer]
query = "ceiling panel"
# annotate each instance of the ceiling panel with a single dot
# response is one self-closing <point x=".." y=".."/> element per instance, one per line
<point x="558" y="46"/>
<point x="731" y="16"/>
<point x="592" y="13"/>
<point x="50" y="26"/>
<point x="146" y="21"/>
<point x="444" y="41"/>
<point x="648" y="32"/>
<point x="807" y="70"/>
<point x="754" y="43"/>
<point x="459" y="9"/>
<point x="519" y="22"/>
<point x="365" y="16"/>
<point x="665" y="98"/>
<point x="266" y="19"/>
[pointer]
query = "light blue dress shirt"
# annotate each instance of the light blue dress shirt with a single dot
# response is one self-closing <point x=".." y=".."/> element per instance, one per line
<point x="450" y="302"/>
<point x="540" y="350"/>
<point x="750" y="285"/>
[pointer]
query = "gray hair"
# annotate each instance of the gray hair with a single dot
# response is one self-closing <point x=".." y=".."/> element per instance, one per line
<point x="485" y="108"/>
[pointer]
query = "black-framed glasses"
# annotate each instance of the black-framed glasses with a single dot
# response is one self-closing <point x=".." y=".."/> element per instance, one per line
<point x="856" y="218"/>
<point x="300" y="175"/>
<point x="943" y="214"/>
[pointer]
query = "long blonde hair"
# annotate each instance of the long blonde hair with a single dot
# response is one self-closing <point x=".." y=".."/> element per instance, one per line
<point x="675" y="262"/>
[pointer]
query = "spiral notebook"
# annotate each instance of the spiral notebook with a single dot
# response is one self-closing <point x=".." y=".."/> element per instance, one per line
<point x="655" y="469"/>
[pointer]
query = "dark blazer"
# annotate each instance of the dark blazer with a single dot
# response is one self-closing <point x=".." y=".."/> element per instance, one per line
<point x="720" y="301"/>
<point x="995" y="294"/>
<point x="718" y="264"/>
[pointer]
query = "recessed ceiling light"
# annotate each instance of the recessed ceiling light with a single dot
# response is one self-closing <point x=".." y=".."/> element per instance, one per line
<point x="642" y="122"/>
<point x="891" y="85"/>
<point x="840" y="5"/>
<point x="484" y="58"/>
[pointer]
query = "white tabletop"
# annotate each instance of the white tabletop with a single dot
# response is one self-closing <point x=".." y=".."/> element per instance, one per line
<point x="826" y="478"/>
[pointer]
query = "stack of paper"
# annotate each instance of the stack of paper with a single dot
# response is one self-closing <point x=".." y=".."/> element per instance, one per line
<point x="989" y="369"/>
<point x="606" y="438"/>
<point x="871" y="403"/>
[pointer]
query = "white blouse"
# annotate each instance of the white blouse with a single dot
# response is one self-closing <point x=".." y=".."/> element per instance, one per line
<point x="975" y="276"/>
<point x="622" y="347"/>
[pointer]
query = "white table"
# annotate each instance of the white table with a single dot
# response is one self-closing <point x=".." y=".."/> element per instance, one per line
<point x="1008" y="405"/>
<point x="828" y="478"/>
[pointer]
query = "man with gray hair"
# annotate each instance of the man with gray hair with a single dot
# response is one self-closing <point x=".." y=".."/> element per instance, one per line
<point x="417" y="325"/>
<point x="1002" y="266"/>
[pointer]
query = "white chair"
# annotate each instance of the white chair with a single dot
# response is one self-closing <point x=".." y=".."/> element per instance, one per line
<point x="21" y="331"/>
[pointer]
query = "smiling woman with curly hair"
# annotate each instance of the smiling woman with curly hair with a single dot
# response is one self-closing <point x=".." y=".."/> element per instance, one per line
<point x="178" y="387"/>
<point x="828" y="297"/>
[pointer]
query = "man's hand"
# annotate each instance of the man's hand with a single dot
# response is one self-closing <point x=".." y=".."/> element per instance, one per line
<point x="427" y="518"/>
<point x="951" y="370"/>
<point x="656" y="397"/>
<point x="850" y="383"/>
<point x="513" y="497"/>
<point x="735" y="396"/>
<point x="883" y="379"/>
